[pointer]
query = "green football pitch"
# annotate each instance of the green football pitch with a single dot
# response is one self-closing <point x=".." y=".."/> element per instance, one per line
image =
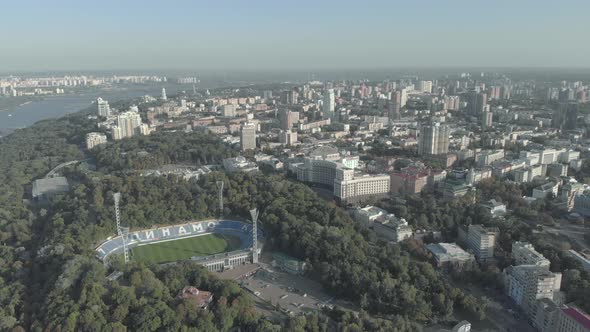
<point x="182" y="249"/>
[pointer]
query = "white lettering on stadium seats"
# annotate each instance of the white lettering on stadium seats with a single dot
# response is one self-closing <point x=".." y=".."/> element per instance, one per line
<point x="165" y="231"/>
<point x="197" y="228"/>
<point x="181" y="230"/>
<point x="149" y="234"/>
<point x="211" y="224"/>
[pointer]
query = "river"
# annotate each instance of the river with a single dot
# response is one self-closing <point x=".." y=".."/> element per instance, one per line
<point x="57" y="106"/>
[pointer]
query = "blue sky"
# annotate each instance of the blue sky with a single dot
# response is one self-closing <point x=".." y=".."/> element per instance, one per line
<point x="131" y="34"/>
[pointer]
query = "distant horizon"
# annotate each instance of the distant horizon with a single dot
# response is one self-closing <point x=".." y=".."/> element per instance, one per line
<point x="311" y="70"/>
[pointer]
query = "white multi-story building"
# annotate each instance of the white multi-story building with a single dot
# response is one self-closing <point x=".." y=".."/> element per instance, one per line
<point x="239" y="164"/>
<point x="568" y="156"/>
<point x="349" y="188"/>
<point x="248" y="136"/>
<point x="434" y="139"/>
<point x="449" y="254"/>
<point x="495" y="208"/>
<point x="425" y="86"/>
<point x="528" y="174"/>
<point x="351" y="162"/>
<point x="404" y="97"/>
<point x="477" y="175"/>
<point x="94" y="139"/>
<point x="487" y="157"/>
<point x="128" y="124"/>
<point x="103" y="107"/>
<point x="481" y="241"/>
<point x="527" y="283"/>
<point x="524" y="253"/>
<point x="329" y="105"/>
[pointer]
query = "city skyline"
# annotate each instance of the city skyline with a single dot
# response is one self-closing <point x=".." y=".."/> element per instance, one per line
<point x="67" y="35"/>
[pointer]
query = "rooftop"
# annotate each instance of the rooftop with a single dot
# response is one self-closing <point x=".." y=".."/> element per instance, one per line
<point x="203" y="298"/>
<point x="56" y="184"/>
<point x="448" y="251"/>
<point x="578" y="315"/>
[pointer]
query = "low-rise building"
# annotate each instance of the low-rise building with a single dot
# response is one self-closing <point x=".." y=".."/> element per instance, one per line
<point x="557" y="169"/>
<point x="186" y="172"/>
<point x="201" y="298"/>
<point x="409" y="181"/>
<point x="495" y="208"/>
<point x="450" y="255"/>
<point x="95" y="139"/>
<point x="288" y="264"/>
<point x="549" y="188"/>
<point x="524" y="253"/>
<point x="527" y="174"/>
<point x="487" y="157"/>
<point x="452" y="188"/>
<point x="45" y="188"/>
<point x="573" y="319"/>
<point x="239" y="164"/>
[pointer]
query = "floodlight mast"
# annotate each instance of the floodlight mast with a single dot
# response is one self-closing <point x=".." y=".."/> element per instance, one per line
<point x="220" y="187"/>
<point x="254" y="215"/>
<point x="121" y="231"/>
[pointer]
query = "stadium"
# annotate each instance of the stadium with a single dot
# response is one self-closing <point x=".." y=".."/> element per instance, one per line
<point x="216" y="244"/>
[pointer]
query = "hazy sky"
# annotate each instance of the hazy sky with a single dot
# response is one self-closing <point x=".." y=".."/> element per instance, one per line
<point x="300" y="34"/>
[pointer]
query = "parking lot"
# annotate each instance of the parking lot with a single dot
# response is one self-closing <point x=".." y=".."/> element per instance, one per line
<point x="291" y="293"/>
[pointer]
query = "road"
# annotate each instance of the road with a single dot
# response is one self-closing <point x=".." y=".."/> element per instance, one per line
<point x="573" y="232"/>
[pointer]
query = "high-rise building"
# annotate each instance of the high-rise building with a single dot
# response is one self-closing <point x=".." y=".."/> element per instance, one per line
<point x="526" y="284"/>
<point x="94" y="139"/>
<point x="164" y="97"/>
<point x="452" y="103"/>
<point x="471" y="102"/>
<point x="288" y="118"/>
<point x="481" y="104"/>
<point x="290" y="97"/>
<point x="127" y="125"/>
<point x="571" y="115"/>
<point x="566" y="116"/>
<point x="329" y="105"/>
<point x="434" y="139"/>
<point x="404" y="97"/>
<point x="395" y="106"/>
<point x="103" y="107"/>
<point x="425" y="86"/>
<point x="248" y="136"/>
<point x="486" y="119"/>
